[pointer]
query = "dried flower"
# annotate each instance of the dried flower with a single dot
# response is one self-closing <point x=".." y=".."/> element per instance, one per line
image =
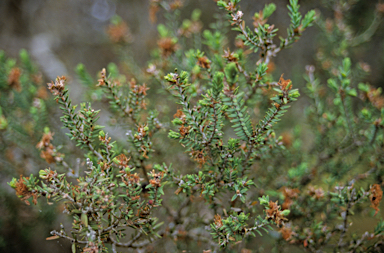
<point x="237" y="18"/>
<point x="286" y="233"/>
<point x="375" y="197"/>
<point x="289" y="194"/>
<point x="284" y="83"/>
<point x="130" y="179"/>
<point x="258" y="19"/>
<point x="179" y="114"/>
<point x="218" y="221"/>
<point x="48" y="151"/>
<point x="122" y="160"/>
<point x="167" y="46"/>
<point x="156" y="179"/>
<point x="184" y="130"/>
<point x="23" y="192"/>
<point x="45" y="140"/>
<point x="204" y="62"/>
<point x="230" y="6"/>
<point x="14" y="79"/>
<point x="143" y="89"/>
<point x="103" y="78"/>
<point x="239" y="43"/>
<point x="176" y="4"/>
<point x="119" y="32"/>
<point x="57" y="87"/>
<point x="374" y="97"/>
<point x="274" y="213"/>
<point x="230" y="56"/>
<point x="317" y="193"/>
<point x="198" y="156"/>
<point x="152" y="70"/>
<point x="91" y="248"/>
<point x="153" y="9"/>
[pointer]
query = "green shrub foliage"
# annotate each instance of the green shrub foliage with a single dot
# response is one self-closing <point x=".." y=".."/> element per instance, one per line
<point x="242" y="180"/>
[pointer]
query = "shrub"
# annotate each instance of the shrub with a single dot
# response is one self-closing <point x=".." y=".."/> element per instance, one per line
<point x="241" y="180"/>
<point x="23" y="110"/>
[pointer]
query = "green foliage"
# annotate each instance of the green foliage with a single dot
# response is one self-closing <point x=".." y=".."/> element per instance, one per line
<point x="309" y="189"/>
<point x="24" y="110"/>
<point x="268" y="10"/>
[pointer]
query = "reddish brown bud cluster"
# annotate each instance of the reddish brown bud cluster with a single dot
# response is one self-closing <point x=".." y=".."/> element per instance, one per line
<point x="274" y="213"/>
<point x="23" y="191"/>
<point x="286" y="233"/>
<point x="130" y="179"/>
<point x="103" y="78"/>
<point x="374" y="97"/>
<point x="230" y="56"/>
<point x="231" y="6"/>
<point x="237" y="17"/>
<point x="156" y="178"/>
<point x="289" y="194"/>
<point x="123" y="161"/>
<point x="218" y="221"/>
<point x="316" y="193"/>
<point x="204" y="62"/>
<point x="14" y="79"/>
<point x="105" y="139"/>
<point x="199" y="156"/>
<point x="193" y="28"/>
<point x="259" y="20"/>
<point x="119" y="33"/>
<point x="179" y="114"/>
<point x="284" y="84"/>
<point x="176" y="4"/>
<point x="57" y="87"/>
<point x="48" y="151"/>
<point x="167" y="46"/>
<point x="375" y="197"/>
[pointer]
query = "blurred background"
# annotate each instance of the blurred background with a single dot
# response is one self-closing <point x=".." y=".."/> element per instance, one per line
<point x="59" y="34"/>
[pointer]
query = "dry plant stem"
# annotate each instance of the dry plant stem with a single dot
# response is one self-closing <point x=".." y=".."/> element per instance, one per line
<point x="73" y="240"/>
<point x="365" y="236"/>
<point x="340" y="244"/>
<point x="352" y="200"/>
<point x="130" y="244"/>
<point x="108" y="154"/>
<point x="114" y="225"/>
